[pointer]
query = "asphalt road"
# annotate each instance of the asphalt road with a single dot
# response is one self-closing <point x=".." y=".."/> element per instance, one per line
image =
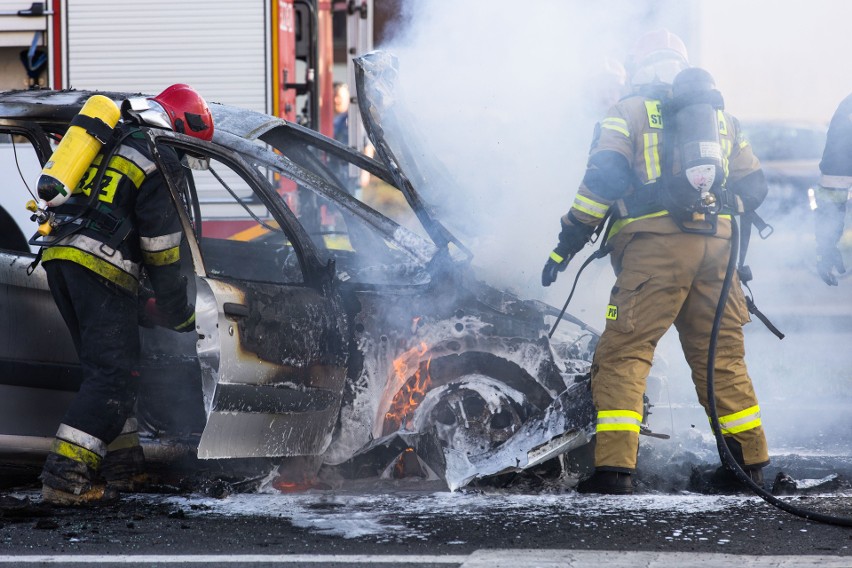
<point x="364" y="523"/>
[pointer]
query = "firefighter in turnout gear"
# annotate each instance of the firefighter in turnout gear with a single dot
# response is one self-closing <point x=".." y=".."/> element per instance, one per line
<point x="96" y="257"/>
<point x="669" y="236"/>
<point x="832" y="193"/>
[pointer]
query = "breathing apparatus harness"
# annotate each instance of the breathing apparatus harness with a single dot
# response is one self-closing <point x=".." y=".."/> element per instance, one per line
<point x="694" y="195"/>
<point x="74" y="217"/>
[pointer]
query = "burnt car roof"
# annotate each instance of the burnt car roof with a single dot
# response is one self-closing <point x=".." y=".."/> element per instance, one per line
<point x="236" y="127"/>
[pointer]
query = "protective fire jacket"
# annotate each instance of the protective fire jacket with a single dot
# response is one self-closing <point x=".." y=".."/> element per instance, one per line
<point x="134" y="223"/>
<point x="626" y="158"/>
<point x="836" y="176"/>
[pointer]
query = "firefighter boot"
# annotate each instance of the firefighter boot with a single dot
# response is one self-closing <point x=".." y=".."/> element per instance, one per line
<point x="70" y="483"/>
<point x="124" y="469"/>
<point x="723" y="480"/>
<point x="608" y="483"/>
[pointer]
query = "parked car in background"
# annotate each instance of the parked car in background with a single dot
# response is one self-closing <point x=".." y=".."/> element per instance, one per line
<point x="326" y="330"/>
<point x="790" y="153"/>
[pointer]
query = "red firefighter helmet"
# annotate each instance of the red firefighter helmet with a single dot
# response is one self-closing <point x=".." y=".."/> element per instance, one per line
<point x="187" y="110"/>
<point x="657" y="57"/>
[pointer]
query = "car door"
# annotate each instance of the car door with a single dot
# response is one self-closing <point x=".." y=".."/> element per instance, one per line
<point x="271" y="330"/>
<point x="39" y="370"/>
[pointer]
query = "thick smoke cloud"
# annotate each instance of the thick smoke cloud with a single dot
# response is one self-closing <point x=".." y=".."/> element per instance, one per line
<point x="502" y="95"/>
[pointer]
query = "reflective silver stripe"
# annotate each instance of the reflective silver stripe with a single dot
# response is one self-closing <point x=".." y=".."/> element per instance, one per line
<point x="590" y="207"/>
<point x="618" y="420"/>
<point x="93" y="247"/>
<point x="163" y="242"/>
<point x="740" y="421"/>
<point x="139" y="159"/>
<point x="835" y="182"/>
<point x="726" y="152"/>
<point x="80" y="438"/>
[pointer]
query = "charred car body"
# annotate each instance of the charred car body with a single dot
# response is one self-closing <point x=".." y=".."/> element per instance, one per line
<point x="326" y="331"/>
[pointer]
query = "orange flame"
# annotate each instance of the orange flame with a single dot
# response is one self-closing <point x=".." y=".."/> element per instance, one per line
<point x="400" y="468"/>
<point x="412" y="392"/>
<point x="285" y="485"/>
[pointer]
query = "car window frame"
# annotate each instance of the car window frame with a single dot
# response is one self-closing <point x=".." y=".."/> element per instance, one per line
<point x="307" y="254"/>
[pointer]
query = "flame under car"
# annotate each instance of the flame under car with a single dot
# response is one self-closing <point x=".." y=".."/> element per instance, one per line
<point x="332" y="331"/>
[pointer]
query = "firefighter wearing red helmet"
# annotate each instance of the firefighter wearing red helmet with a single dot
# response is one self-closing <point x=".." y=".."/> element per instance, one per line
<point x="118" y="227"/>
<point x="670" y="240"/>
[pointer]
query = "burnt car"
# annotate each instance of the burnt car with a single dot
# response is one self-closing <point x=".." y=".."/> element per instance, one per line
<point x="330" y="334"/>
<point x="789" y="153"/>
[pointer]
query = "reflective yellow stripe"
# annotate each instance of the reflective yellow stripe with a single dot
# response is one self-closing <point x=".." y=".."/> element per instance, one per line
<point x="76" y="453"/>
<point x="590" y="207"/>
<point x="119" y="168"/>
<point x="621" y="223"/>
<point x="740" y="421"/>
<point x="617" y="124"/>
<point x="189" y="322"/>
<point x="618" y="420"/>
<point x="128" y="168"/>
<point x="556" y="257"/>
<point x="93" y="263"/>
<point x="652" y="156"/>
<point x="162" y="258"/>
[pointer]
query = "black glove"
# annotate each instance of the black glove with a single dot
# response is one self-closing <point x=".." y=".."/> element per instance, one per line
<point x="153" y="314"/>
<point x="828" y="260"/>
<point x="572" y="238"/>
<point x="182" y="321"/>
<point x="554" y="265"/>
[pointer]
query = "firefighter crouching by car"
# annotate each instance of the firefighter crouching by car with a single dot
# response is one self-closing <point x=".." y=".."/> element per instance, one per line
<point x="94" y="263"/>
<point x="832" y="193"/>
<point x="670" y="265"/>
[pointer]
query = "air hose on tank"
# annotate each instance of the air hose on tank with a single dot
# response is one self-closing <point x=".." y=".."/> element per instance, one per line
<point x="724" y="452"/>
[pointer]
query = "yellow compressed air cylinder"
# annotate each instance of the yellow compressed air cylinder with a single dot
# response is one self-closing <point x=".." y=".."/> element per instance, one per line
<point x="75" y="153"/>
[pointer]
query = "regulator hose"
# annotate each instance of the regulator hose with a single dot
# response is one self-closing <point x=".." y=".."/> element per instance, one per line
<point x="724" y="452"/>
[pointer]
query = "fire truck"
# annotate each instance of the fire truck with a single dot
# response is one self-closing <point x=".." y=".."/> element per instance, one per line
<point x="280" y="57"/>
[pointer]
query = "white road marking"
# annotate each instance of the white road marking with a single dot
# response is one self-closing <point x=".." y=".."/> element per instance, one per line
<point x="495" y="558"/>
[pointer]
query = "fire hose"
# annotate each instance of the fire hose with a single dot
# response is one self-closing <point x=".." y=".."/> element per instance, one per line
<point x="725" y="454"/>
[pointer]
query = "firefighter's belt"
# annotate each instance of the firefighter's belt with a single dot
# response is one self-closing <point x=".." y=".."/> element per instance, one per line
<point x="116" y="229"/>
<point x="646" y="200"/>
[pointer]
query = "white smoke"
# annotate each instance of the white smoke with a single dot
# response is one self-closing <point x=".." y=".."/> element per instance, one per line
<point x="501" y="95"/>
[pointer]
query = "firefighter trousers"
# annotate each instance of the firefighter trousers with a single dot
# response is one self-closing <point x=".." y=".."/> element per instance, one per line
<point x="102" y="320"/>
<point x="665" y="279"/>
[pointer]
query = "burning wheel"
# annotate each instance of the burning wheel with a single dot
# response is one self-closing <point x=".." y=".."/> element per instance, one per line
<point x="473" y="414"/>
